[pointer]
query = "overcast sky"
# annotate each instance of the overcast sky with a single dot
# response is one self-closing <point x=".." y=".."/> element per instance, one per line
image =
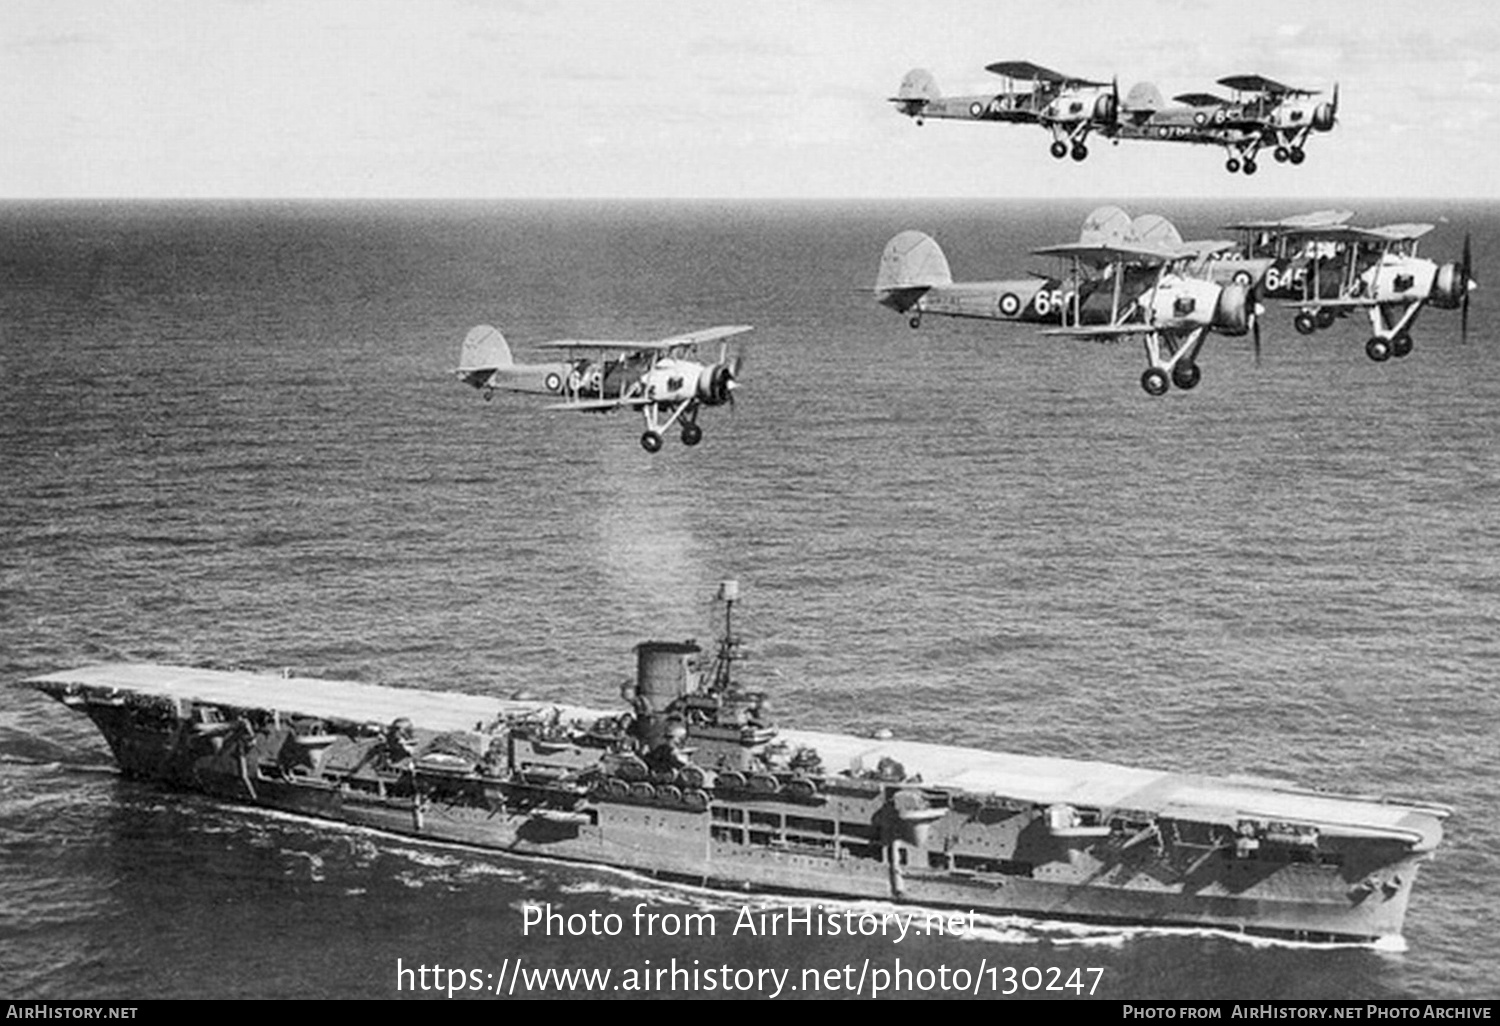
<point x="708" y="98"/>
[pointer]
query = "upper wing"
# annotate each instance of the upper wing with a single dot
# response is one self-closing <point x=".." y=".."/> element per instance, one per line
<point x="1261" y="84"/>
<point x="1404" y="232"/>
<point x="1105" y="253"/>
<point x="1316" y="219"/>
<point x="693" y="338"/>
<point x="600" y="344"/>
<point x="1026" y="70"/>
<point x="660" y="345"/>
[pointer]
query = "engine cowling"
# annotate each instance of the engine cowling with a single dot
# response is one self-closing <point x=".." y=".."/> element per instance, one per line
<point x="715" y="384"/>
<point x="1448" y="286"/>
<point x="1323" y="117"/>
<point x="1107" y="108"/>
<point x="1232" y="311"/>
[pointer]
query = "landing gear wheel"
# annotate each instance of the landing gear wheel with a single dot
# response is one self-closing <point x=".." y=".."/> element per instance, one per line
<point x="1324" y="318"/>
<point x="651" y="441"/>
<point x="1080" y="151"/>
<point x="1250" y="165"/>
<point x="488" y="393"/>
<point x="1154" y="381"/>
<point x="1186" y="376"/>
<point x="1401" y="345"/>
<point x="1305" y="323"/>
<point x="1281" y="154"/>
<point x="1059" y="149"/>
<point x="1232" y="165"/>
<point x="1378" y="349"/>
<point x="1297" y="155"/>
<point x="915" y="321"/>
<point x="692" y="434"/>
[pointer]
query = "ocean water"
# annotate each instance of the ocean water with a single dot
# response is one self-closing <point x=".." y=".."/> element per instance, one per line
<point x="231" y="436"/>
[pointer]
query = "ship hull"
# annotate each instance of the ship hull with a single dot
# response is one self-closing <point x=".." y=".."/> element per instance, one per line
<point x="963" y="850"/>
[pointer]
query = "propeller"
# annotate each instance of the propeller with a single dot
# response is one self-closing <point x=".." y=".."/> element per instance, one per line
<point x="717" y="382"/>
<point x="1467" y="284"/>
<point x="1255" y="310"/>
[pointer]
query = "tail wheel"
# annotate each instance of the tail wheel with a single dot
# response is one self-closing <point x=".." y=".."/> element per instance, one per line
<point x="1378" y="349"/>
<point x="1305" y="323"/>
<point x="1401" y="345"/>
<point x="692" y="434"/>
<point x="651" y="441"/>
<point x="1186" y="376"/>
<point x="1154" y="381"/>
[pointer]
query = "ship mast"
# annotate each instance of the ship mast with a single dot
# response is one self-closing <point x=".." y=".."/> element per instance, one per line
<point x="729" y="593"/>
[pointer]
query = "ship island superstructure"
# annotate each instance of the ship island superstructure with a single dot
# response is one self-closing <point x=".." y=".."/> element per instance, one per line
<point x="694" y="783"/>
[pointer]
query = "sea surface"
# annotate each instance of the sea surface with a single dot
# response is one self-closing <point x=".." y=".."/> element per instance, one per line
<point x="230" y="436"/>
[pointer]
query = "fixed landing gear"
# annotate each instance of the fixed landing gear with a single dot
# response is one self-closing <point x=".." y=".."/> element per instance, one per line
<point x="1296" y="155"/>
<point x="1059" y="149"/>
<point x="915" y="320"/>
<point x="1250" y="165"/>
<point x="1305" y="323"/>
<point x="1378" y="349"/>
<point x="1282" y="154"/>
<point x="1324" y="318"/>
<point x="651" y="441"/>
<point x="1185" y="376"/>
<point x="1401" y="345"/>
<point x="1154" y="381"/>
<point x="692" y="434"/>
<point x="1232" y="165"/>
<point x="1080" y="151"/>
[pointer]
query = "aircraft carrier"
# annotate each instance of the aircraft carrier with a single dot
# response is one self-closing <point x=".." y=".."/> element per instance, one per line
<point x="694" y="783"/>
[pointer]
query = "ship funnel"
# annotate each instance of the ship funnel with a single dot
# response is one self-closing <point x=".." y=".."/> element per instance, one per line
<point x="664" y="672"/>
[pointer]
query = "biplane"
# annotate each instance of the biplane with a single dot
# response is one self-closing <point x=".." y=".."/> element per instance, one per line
<point x="1260" y="113"/>
<point x="663" y="380"/>
<point x="1067" y="106"/>
<point x="1324" y="268"/>
<point x="1122" y="278"/>
<point x="1286" y="116"/>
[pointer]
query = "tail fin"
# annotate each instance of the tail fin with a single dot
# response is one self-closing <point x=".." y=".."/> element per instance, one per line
<point x="1144" y="98"/>
<point x="484" y="352"/>
<point x="1155" y="230"/>
<point x="911" y="264"/>
<point x="1106" y="226"/>
<point x="485" y="349"/>
<point x="918" y="85"/>
<point x="912" y="260"/>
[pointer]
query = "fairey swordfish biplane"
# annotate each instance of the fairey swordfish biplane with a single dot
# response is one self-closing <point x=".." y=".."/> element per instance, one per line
<point x="1324" y="268"/>
<point x="1122" y="279"/>
<point x="1067" y="106"/>
<point x="1259" y="113"/>
<point x="663" y="380"/>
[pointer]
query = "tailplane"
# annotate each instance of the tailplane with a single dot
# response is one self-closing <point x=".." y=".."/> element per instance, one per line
<point x="484" y="352"/>
<point x="911" y="264"/>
